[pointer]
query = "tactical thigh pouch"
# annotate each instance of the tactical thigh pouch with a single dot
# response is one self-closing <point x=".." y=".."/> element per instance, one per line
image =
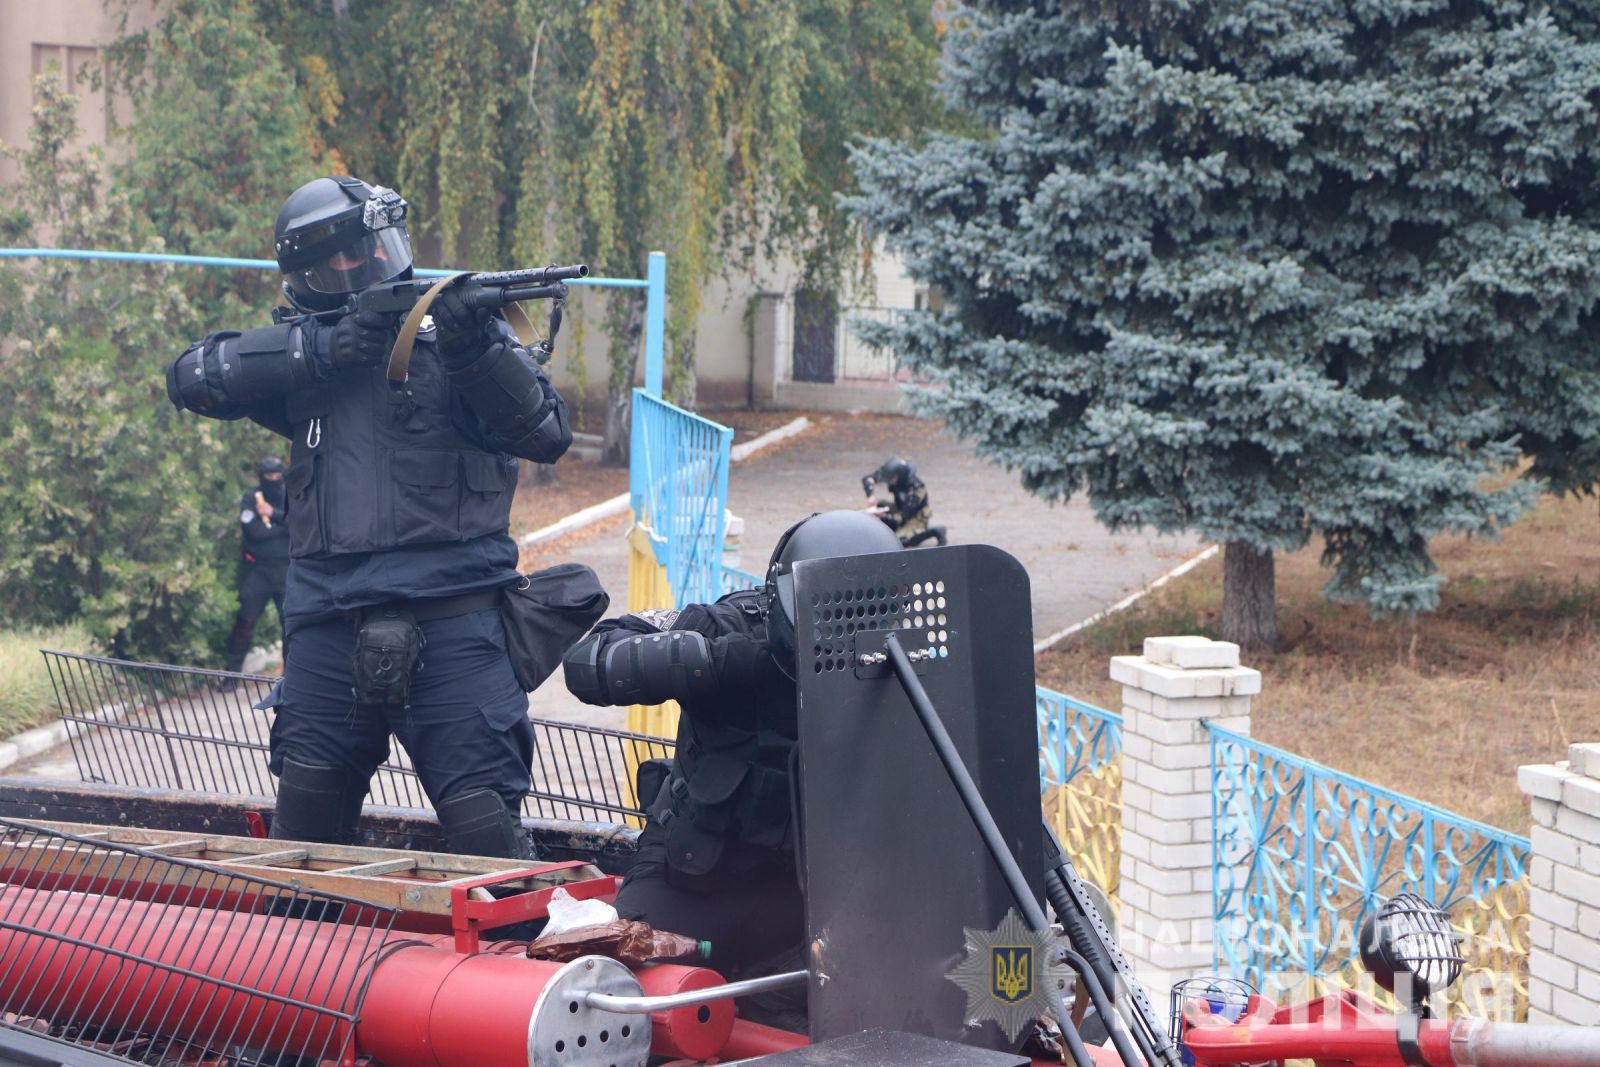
<point x="697" y="814"/>
<point x="388" y="644"/>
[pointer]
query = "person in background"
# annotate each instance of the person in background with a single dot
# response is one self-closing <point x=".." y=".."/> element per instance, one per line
<point x="263" y="559"/>
<point x="907" y="512"/>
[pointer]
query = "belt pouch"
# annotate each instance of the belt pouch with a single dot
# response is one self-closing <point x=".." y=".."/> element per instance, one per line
<point x="387" y="646"/>
<point x="547" y="613"/>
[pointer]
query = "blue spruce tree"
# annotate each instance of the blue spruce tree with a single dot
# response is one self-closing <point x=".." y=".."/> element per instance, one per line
<point x="1266" y="270"/>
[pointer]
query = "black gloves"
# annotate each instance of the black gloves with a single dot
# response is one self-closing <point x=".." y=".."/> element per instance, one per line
<point x="360" y="339"/>
<point x="463" y="330"/>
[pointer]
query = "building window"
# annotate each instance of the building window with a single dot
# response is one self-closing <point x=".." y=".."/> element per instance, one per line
<point x="77" y="65"/>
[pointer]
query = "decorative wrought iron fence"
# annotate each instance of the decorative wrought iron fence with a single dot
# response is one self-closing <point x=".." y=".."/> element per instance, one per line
<point x="678" y="479"/>
<point x="1302" y="854"/>
<point x="117" y="954"/>
<point x="1080" y="782"/>
<point x="158" y="726"/>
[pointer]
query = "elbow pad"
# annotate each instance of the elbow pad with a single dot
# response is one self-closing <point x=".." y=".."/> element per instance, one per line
<point x="516" y="403"/>
<point x="641" y="668"/>
<point x="229" y="372"/>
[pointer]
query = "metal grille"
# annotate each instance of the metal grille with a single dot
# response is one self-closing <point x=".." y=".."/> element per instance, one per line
<point x="816" y="336"/>
<point x="163" y="727"/>
<point x="147" y="958"/>
<point x="678" y="488"/>
<point x="1303" y="854"/>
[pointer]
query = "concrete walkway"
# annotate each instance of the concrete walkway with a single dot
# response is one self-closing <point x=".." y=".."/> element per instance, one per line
<point x="1076" y="566"/>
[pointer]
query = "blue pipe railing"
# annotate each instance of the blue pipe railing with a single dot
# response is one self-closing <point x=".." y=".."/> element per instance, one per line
<point x="651" y="284"/>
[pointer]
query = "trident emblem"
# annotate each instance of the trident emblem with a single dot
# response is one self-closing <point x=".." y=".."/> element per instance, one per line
<point x="1013" y="972"/>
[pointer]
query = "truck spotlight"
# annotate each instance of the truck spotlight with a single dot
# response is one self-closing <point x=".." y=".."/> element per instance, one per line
<point x="1411" y="950"/>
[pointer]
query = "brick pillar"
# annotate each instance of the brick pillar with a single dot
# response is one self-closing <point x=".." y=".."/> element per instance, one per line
<point x="1564" y="888"/>
<point x="1165" y="922"/>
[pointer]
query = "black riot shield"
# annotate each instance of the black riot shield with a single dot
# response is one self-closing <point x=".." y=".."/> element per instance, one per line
<point x="894" y="868"/>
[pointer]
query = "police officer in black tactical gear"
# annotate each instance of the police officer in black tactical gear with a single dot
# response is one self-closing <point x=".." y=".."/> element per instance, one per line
<point x="399" y="496"/>
<point x="716" y="859"/>
<point x="263" y="557"/>
<point x="908" y="513"/>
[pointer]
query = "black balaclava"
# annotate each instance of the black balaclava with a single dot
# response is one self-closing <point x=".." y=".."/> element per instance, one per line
<point x="275" y="492"/>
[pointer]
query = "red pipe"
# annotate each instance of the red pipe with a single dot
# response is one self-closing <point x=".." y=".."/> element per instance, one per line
<point x="696" y="1032"/>
<point x="139" y="989"/>
<point x="426" y="1005"/>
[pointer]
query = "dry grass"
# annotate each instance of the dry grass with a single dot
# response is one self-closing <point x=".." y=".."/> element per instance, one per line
<point x="26" y="697"/>
<point x="1507" y="672"/>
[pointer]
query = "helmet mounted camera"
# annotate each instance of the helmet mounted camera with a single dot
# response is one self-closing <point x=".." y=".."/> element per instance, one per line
<point x="336" y="236"/>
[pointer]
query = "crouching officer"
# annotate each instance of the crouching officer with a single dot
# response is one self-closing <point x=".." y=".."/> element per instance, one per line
<point x="399" y="496"/>
<point x="908" y="512"/>
<point x="716" y="859"/>
<point x="263" y="558"/>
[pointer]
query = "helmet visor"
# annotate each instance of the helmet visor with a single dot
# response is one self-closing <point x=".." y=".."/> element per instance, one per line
<point x="370" y="256"/>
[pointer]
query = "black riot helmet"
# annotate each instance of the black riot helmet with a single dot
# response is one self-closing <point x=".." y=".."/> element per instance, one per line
<point x="336" y="236"/>
<point x="269" y="465"/>
<point x="896" y="473"/>
<point x="822" y="536"/>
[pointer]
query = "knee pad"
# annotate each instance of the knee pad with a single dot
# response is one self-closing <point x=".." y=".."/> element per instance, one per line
<point x="317" y="803"/>
<point x="478" y="823"/>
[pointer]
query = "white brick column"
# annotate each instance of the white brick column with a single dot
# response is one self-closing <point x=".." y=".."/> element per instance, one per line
<point x="771" y="341"/>
<point x="1165" y="920"/>
<point x="1564" y="888"/>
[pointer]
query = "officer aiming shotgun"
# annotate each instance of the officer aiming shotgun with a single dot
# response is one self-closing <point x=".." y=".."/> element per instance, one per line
<point x="402" y="465"/>
<point x="375" y="307"/>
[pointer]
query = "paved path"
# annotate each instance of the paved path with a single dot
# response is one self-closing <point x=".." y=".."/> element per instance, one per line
<point x="1077" y="568"/>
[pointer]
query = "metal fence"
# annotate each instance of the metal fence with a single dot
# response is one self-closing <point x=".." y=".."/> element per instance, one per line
<point x="130" y="956"/>
<point x="678" y="484"/>
<point x="157" y="726"/>
<point x="1074" y="736"/>
<point x="1080" y="782"/>
<point x="1302" y="854"/>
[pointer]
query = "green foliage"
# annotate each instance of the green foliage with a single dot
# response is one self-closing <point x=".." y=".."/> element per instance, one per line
<point x="217" y="140"/>
<point x="1266" y="270"/>
<point x="529" y="131"/>
<point x="27" y="697"/>
<point x="107" y="504"/>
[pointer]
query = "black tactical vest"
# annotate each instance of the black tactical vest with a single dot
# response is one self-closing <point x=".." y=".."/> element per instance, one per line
<point x="374" y="465"/>
<point x="731" y="779"/>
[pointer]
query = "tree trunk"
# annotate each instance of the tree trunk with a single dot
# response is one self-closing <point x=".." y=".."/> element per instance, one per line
<point x="614" y="445"/>
<point x="1249" y="598"/>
